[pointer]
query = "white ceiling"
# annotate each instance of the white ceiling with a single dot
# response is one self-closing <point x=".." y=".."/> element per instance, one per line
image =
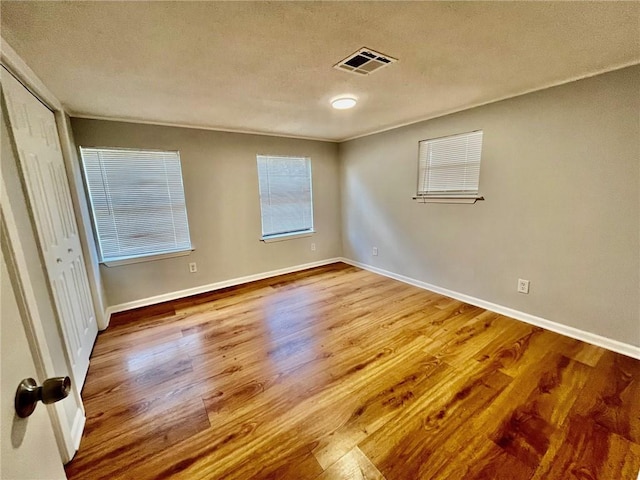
<point x="267" y="66"/>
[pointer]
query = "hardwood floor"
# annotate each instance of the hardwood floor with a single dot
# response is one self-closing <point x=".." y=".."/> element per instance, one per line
<point x="338" y="373"/>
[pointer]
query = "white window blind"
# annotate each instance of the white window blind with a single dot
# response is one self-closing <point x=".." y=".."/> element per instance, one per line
<point x="137" y="200"/>
<point x="450" y="166"/>
<point x="285" y="195"/>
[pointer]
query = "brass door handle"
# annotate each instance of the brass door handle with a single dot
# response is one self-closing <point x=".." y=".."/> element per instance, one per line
<point x="29" y="393"/>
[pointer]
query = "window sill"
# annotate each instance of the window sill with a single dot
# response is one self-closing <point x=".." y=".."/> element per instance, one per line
<point x="448" y="199"/>
<point x="287" y="236"/>
<point x="145" y="258"/>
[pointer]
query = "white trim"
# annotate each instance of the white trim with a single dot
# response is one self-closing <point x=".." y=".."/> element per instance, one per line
<point x="19" y="68"/>
<point x="286" y="236"/>
<point x="88" y="116"/>
<point x="495" y="100"/>
<point x="12" y="61"/>
<point x="447" y="199"/>
<point x="67" y="439"/>
<point x="116" y="262"/>
<point x="33" y="325"/>
<point x="592" y="338"/>
<point x="81" y="212"/>
<point x="213" y="286"/>
<point x="77" y="429"/>
<point x="374" y="132"/>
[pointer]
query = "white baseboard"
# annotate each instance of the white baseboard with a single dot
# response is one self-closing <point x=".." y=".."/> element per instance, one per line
<point x="211" y="287"/>
<point x="78" y="428"/>
<point x="592" y="338"/>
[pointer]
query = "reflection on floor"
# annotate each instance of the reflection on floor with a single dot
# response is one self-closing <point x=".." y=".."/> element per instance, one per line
<point x="338" y="373"/>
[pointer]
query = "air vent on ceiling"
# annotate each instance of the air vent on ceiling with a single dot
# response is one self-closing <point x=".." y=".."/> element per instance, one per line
<point x="364" y="62"/>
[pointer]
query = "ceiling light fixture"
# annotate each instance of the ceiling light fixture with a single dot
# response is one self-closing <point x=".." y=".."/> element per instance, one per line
<point x="343" y="103"/>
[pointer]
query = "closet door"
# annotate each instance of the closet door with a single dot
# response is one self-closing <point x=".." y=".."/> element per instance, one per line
<point x="36" y="138"/>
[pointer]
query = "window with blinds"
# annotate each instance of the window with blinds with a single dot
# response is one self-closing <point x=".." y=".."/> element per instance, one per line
<point x="449" y="167"/>
<point x="137" y="202"/>
<point x="285" y="195"/>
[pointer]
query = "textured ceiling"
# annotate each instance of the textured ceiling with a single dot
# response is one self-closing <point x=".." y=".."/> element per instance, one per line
<point x="267" y="66"/>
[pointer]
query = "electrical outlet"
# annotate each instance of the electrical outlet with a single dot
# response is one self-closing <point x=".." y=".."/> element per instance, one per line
<point x="193" y="268"/>
<point x="313" y="247"/>
<point x="523" y="286"/>
<point x="375" y="251"/>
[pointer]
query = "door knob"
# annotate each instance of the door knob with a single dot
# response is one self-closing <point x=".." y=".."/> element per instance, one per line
<point x="51" y="391"/>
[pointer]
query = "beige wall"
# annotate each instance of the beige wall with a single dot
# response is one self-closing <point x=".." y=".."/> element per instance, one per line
<point x="560" y="173"/>
<point x="221" y="188"/>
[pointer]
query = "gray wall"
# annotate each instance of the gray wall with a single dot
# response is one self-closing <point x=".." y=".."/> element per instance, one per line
<point x="221" y="188"/>
<point x="560" y="174"/>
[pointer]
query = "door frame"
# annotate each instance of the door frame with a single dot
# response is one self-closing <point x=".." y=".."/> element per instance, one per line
<point x="20" y="70"/>
<point x="67" y="438"/>
<point x="41" y="441"/>
<point x="67" y="431"/>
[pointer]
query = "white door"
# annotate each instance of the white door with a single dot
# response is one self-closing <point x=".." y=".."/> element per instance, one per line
<point x="28" y="449"/>
<point x="36" y="137"/>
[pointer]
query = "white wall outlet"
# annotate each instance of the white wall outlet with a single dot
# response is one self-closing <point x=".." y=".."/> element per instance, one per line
<point x="193" y="268"/>
<point x="313" y="247"/>
<point x="523" y="286"/>
<point x="375" y="251"/>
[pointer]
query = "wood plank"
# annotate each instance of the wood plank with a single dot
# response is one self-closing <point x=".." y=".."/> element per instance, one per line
<point x="354" y="465"/>
<point x="404" y="446"/>
<point x="336" y="372"/>
<point x="614" y="396"/>
<point x="143" y="437"/>
<point x="476" y="458"/>
<point x="374" y="411"/>
<point x="587" y="450"/>
<point x="285" y="421"/>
